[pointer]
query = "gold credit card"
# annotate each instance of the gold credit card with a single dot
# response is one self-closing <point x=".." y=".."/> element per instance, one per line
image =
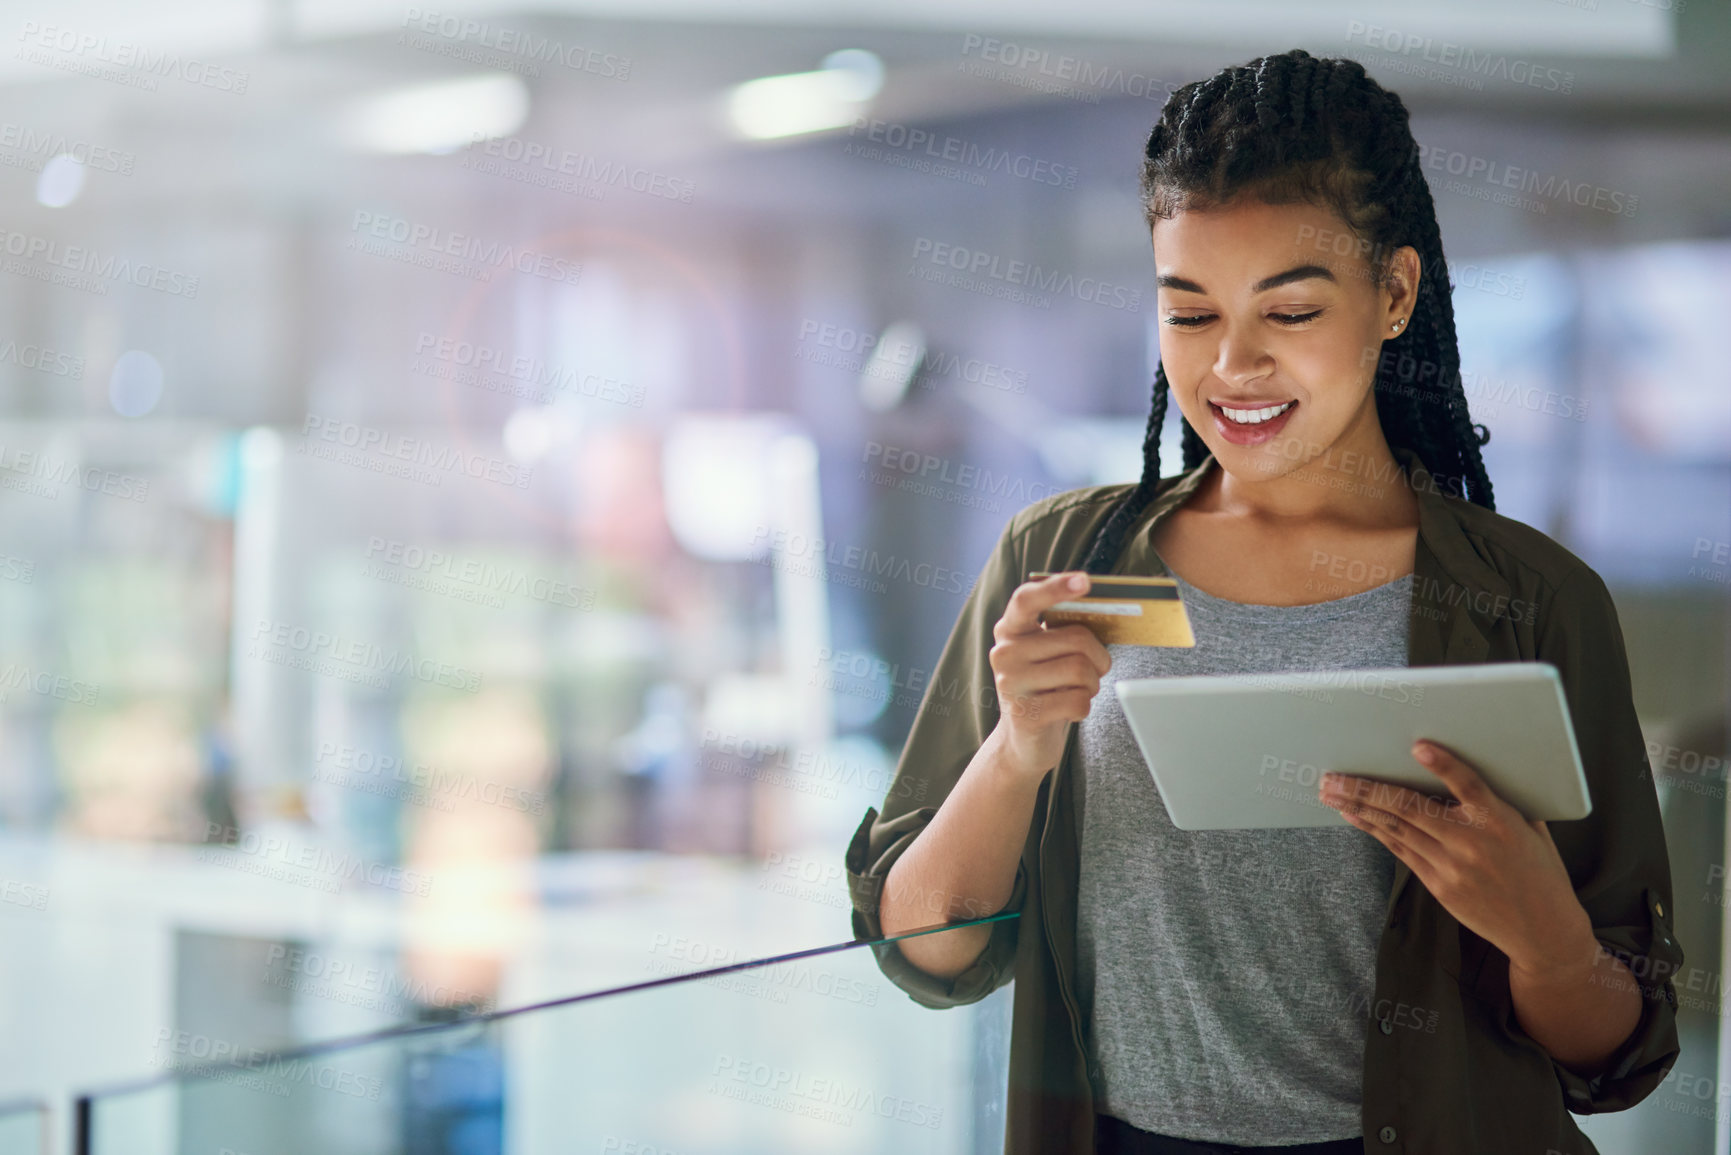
<point x="1126" y="611"/>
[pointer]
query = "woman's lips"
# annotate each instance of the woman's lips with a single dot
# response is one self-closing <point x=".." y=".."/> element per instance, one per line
<point x="1238" y="434"/>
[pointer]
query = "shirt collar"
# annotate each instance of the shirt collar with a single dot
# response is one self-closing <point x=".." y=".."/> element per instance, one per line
<point x="1439" y="526"/>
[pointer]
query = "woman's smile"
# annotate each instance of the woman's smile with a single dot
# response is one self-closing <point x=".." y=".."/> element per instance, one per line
<point x="1251" y="423"/>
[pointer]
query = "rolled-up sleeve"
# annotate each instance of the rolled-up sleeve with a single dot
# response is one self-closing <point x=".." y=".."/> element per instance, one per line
<point x="958" y="710"/>
<point x="1616" y="856"/>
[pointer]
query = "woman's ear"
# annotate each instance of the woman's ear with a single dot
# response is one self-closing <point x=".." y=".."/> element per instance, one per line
<point x="1401" y="285"/>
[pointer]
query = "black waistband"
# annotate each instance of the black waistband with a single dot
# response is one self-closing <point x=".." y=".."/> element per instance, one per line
<point x="1113" y="1136"/>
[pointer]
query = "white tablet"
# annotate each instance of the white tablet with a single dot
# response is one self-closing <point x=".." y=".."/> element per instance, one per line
<point x="1248" y="751"/>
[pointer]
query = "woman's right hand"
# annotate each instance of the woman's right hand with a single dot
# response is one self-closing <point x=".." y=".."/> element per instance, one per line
<point x="1046" y="676"/>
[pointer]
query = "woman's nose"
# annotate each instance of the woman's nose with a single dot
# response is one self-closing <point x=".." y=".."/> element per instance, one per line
<point x="1240" y="358"/>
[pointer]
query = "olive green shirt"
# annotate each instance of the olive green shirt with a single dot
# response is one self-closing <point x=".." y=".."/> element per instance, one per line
<point x="1447" y="1068"/>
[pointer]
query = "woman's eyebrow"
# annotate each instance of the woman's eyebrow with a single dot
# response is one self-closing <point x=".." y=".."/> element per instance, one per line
<point x="1297" y="273"/>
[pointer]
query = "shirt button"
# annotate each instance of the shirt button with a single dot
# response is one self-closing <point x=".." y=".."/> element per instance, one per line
<point x="1387" y="1027"/>
<point x="1386" y="1134"/>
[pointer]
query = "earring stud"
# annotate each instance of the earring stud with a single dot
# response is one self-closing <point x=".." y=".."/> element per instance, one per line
<point x="1398" y="324"/>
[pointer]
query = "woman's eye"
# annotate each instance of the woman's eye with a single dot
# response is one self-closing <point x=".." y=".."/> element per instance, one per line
<point x="1281" y="318"/>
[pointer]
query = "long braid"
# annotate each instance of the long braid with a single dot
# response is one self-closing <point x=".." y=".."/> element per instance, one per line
<point x="1110" y="540"/>
<point x="1294" y="127"/>
<point x="1195" y="449"/>
<point x="1422" y="365"/>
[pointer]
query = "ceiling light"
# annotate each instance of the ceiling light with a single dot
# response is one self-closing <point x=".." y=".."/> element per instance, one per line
<point x="800" y="102"/>
<point x="866" y="68"/>
<point x="895" y="359"/>
<point x="135" y="384"/>
<point x="437" y="118"/>
<point x="61" y="181"/>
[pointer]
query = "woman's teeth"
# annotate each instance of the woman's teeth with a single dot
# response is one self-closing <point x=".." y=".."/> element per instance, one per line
<point x="1255" y="416"/>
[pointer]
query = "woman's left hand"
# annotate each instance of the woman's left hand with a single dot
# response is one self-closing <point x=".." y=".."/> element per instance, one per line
<point x="1498" y="873"/>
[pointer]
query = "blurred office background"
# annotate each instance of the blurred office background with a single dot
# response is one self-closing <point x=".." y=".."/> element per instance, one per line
<point x="482" y="489"/>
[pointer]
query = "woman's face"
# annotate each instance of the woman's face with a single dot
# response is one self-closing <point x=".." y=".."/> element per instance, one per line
<point x="1270" y="331"/>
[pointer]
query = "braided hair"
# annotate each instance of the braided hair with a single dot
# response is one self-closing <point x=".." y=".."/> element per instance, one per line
<point x="1295" y="128"/>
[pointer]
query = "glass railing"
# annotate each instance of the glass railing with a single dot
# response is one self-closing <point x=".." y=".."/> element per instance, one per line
<point x="810" y="1051"/>
<point x="24" y="1127"/>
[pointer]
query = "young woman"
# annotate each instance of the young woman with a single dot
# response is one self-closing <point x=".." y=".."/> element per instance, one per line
<point x="1427" y="979"/>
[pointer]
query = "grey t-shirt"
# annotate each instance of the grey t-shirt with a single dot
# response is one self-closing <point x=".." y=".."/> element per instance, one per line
<point x="1226" y="975"/>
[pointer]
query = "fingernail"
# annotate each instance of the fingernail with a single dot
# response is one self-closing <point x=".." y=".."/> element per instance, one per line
<point x="1077" y="581"/>
<point x="1423" y="752"/>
